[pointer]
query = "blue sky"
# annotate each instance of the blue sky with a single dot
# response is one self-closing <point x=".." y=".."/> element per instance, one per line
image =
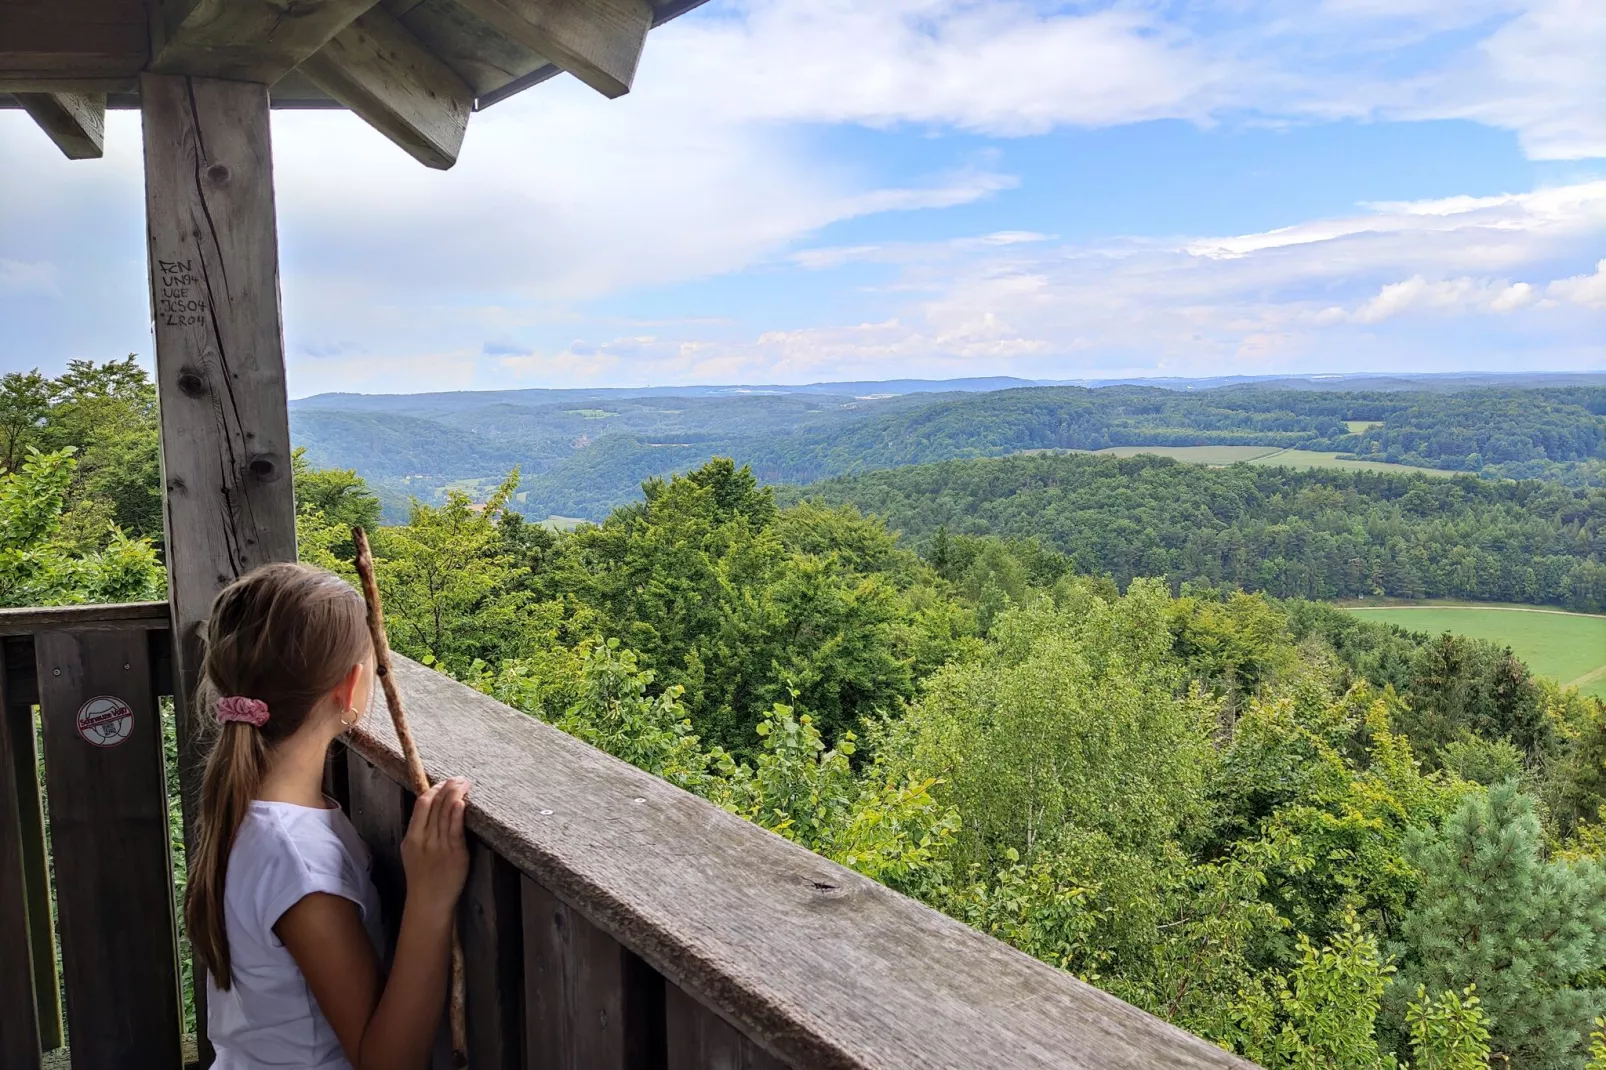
<point x="803" y="190"/>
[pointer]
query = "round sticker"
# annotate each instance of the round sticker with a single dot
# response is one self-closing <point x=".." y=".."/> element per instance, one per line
<point x="105" y="721"/>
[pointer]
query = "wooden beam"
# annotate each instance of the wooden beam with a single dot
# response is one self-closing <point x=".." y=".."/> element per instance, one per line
<point x="244" y="40"/>
<point x="597" y="41"/>
<point x="76" y="122"/>
<point x="378" y="69"/>
<point x="225" y="434"/>
<point x="71" y="39"/>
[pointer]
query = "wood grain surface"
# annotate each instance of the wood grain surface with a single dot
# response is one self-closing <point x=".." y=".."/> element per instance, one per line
<point x="109" y="841"/>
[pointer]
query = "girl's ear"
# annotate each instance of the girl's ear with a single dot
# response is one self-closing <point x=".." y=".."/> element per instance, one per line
<point x="346" y="692"/>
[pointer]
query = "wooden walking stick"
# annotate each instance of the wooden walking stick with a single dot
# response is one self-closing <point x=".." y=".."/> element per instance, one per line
<point x="418" y="779"/>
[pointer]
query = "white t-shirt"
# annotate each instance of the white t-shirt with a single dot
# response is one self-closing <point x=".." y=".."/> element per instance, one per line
<point x="268" y="1018"/>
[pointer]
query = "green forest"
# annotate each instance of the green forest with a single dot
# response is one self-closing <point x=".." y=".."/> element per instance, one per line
<point x="1316" y="841"/>
<point x="582" y="458"/>
<point x="1311" y="534"/>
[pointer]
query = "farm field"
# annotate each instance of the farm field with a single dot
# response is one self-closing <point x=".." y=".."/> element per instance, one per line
<point x="1567" y="647"/>
<point x="1268" y="455"/>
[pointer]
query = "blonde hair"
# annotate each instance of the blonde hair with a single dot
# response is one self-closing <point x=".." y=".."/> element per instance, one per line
<point x="285" y="635"/>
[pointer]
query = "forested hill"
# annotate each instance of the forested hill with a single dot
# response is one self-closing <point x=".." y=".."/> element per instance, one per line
<point x="582" y="456"/>
<point x="1312" y="534"/>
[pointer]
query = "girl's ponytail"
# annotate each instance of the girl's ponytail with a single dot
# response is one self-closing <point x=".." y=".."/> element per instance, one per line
<point x="234" y="772"/>
<point x="279" y="640"/>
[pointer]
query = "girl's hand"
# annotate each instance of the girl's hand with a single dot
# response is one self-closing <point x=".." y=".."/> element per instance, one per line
<point x="434" y="852"/>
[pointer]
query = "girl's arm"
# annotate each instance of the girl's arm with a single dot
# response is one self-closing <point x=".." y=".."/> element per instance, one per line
<point x="396" y="1027"/>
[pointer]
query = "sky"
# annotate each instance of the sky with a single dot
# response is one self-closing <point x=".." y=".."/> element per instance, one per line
<point x="810" y="190"/>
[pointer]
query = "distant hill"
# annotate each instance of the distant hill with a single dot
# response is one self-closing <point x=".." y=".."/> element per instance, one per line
<point x="583" y="452"/>
<point x="1312" y="534"/>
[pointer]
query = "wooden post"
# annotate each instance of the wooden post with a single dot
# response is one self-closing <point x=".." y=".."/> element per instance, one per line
<point x="214" y="274"/>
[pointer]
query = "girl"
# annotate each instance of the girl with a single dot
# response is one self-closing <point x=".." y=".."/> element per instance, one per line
<point x="280" y="908"/>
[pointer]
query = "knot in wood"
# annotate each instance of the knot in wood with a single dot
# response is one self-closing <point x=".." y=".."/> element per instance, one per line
<point x="191" y="384"/>
<point x="263" y="468"/>
<point x="820" y="887"/>
<point x="218" y="173"/>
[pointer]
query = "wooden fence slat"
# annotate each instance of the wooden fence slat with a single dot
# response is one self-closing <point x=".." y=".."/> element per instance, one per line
<point x="491" y="926"/>
<point x="109" y="839"/>
<point x="588" y="1000"/>
<point x="19" y="1020"/>
<point x="699" y="1039"/>
<point x="36" y="872"/>
<point x="378" y="808"/>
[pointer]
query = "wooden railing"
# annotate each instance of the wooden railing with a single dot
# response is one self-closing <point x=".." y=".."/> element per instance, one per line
<point x="611" y="920"/>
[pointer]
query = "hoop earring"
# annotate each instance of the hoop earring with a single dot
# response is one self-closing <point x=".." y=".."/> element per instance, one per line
<point x="344" y="723"/>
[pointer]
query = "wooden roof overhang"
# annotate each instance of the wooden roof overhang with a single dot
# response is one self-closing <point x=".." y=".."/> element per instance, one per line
<point x="413" y="69"/>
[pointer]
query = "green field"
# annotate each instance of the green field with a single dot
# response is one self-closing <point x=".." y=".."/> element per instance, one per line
<point x="1567" y="647"/>
<point x="1357" y="426"/>
<point x="1267" y="455"/>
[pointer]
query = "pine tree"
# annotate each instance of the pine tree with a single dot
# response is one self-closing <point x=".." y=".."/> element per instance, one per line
<point x="1493" y="912"/>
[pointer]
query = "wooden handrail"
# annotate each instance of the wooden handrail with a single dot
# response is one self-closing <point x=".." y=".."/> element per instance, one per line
<point x="34" y="619"/>
<point x="817" y="965"/>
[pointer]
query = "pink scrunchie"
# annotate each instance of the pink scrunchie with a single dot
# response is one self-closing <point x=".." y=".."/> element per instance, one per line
<point x="239" y="708"/>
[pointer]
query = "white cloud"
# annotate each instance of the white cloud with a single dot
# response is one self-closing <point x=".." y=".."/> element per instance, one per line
<point x="1433" y="271"/>
<point x="19" y="275"/>
<point x="1588" y="291"/>
<point x="714" y="165"/>
<point x="1446" y="295"/>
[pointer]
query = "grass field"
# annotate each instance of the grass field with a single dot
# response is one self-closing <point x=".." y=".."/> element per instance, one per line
<point x="1567" y="647"/>
<point x="1357" y="426"/>
<point x="1267" y="455"/>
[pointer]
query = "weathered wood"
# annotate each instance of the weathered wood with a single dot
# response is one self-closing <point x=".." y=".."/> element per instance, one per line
<point x="82" y="39"/>
<point x="778" y="941"/>
<point x="490" y="920"/>
<point x="380" y="70"/>
<point x="379" y="810"/>
<point x="76" y="122"/>
<point x="20" y="1041"/>
<point x="587" y="1000"/>
<point x="597" y="41"/>
<point x="481" y="54"/>
<point x="18" y="727"/>
<point x="108" y="824"/>
<point x="120" y="615"/>
<point x="225" y="435"/>
<point x="244" y="40"/>
<point x="699" y="1039"/>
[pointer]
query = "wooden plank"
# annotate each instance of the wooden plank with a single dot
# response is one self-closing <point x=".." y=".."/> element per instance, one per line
<point x="108" y="826"/>
<point x="699" y="1039"/>
<point x="587" y="1000"/>
<point x="482" y="55"/>
<point x="490" y="921"/>
<point x="20" y="1040"/>
<point x="31" y="620"/>
<point x="76" y="122"/>
<point x="244" y="40"/>
<point x="225" y="435"/>
<point x="380" y="70"/>
<point x="19" y="729"/>
<point x="379" y="809"/>
<point x="597" y="41"/>
<point x="80" y="39"/>
<point x="819" y="965"/>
